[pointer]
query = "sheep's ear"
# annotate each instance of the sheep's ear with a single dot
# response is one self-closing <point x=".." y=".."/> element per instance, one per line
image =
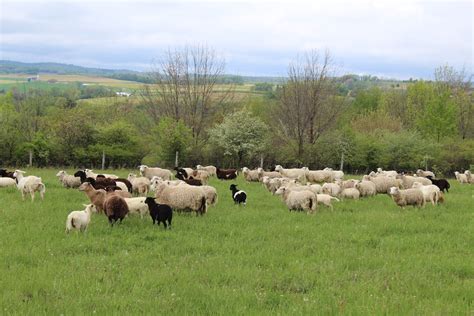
<point x="85" y="205"/>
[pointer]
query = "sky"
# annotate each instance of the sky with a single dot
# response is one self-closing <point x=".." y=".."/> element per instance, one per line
<point x="392" y="39"/>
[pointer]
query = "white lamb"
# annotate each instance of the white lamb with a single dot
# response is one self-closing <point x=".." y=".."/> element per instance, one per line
<point x="430" y="192"/>
<point x="332" y="189"/>
<point x="68" y="180"/>
<point x="326" y="200"/>
<point x="149" y="173"/>
<point x="29" y="184"/>
<point x="7" y="182"/>
<point x="136" y="205"/>
<point x="461" y="177"/>
<point x="79" y="220"/>
<point x="294" y="173"/>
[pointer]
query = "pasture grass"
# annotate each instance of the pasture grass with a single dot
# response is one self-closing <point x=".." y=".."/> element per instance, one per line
<point x="365" y="257"/>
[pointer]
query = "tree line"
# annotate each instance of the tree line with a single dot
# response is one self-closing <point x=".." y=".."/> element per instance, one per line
<point x="313" y="118"/>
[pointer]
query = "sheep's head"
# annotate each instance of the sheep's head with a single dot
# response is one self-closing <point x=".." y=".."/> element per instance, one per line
<point x="18" y="172"/>
<point x="131" y="176"/>
<point x="280" y="191"/>
<point x="417" y="185"/>
<point x="142" y="168"/>
<point x="60" y="173"/>
<point x="394" y="191"/>
<point x="245" y="170"/>
<point x="90" y="208"/>
<point x="278" y="168"/>
<point x="85" y="186"/>
<point x="233" y="187"/>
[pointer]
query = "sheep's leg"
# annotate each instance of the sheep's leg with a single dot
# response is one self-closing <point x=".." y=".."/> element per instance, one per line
<point x="164" y="224"/>
<point x="32" y="193"/>
<point x="22" y="195"/>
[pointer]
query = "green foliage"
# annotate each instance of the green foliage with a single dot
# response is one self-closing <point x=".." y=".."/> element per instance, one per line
<point x="367" y="100"/>
<point x="239" y="136"/>
<point x="172" y="136"/>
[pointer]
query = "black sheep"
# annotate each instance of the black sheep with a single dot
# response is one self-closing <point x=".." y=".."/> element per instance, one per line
<point x="192" y="181"/>
<point x="5" y="173"/>
<point x="237" y="195"/>
<point x="442" y="184"/>
<point x="226" y="174"/>
<point x="159" y="212"/>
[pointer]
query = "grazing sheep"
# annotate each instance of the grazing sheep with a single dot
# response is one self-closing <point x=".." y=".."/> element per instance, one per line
<point x="201" y="175"/>
<point x="407" y="197"/>
<point x="211" y="170"/>
<point x="7" y="174"/>
<point x="326" y="200"/>
<point x="7" y="182"/>
<point x="67" y="180"/>
<point x="140" y="185"/>
<point x="319" y="176"/>
<point x="149" y="173"/>
<point x="211" y="194"/>
<point x="99" y="182"/>
<point x="239" y="196"/>
<point x="350" y="193"/>
<point x="294" y="173"/>
<point x="29" y="184"/>
<point x="423" y="173"/>
<point x="332" y="189"/>
<point x="348" y="183"/>
<point x="407" y="181"/>
<point x="387" y="173"/>
<point x="137" y="205"/>
<point x="270" y="174"/>
<point x="337" y="174"/>
<point x="182" y="197"/>
<point x="115" y="208"/>
<point x="461" y="177"/>
<point x="250" y="175"/>
<point x="384" y="183"/>
<point x="275" y="183"/>
<point x="298" y="200"/>
<point x="192" y="181"/>
<point x="442" y="184"/>
<point x="470" y="178"/>
<point x="97" y="197"/>
<point x="226" y="174"/>
<point x="124" y="184"/>
<point x="316" y="188"/>
<point x="79" y="220"/>
<point x="366" y="188"/>
<point x="430" y="192"/>
<point x="160" y="213"/>
<point x="118" y="191"/>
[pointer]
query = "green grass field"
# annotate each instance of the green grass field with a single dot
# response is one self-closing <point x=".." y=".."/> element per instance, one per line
<point x="366" y="257"/>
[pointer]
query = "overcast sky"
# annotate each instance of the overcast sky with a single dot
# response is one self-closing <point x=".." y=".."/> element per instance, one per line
<point x="398" y="39"/>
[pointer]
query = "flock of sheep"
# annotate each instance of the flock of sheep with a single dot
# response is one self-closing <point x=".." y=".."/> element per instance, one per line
<point x="304" y="189"/>
<point x="300" y="189"/>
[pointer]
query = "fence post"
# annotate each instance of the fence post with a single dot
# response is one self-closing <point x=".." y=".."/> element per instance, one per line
<point x="103" y="159"/>
<point x="342" y="162"/>
<point x="261" y="161"/>
<point x="30" y="158"/>
<point x="176" y="159"/>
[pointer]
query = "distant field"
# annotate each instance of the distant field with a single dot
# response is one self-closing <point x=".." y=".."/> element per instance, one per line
<point x="366" y="257"/>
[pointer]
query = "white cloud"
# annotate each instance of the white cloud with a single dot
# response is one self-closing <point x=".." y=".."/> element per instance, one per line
<point x="394" y="38"/>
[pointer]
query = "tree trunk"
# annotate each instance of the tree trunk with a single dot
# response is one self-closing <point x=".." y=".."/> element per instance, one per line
<point x="30" y="158"/>
<point x="342" y="162"/>
<point x="176" y="159"/>
<point x="103" y="159"/>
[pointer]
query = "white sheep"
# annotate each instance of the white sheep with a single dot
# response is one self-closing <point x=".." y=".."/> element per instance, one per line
<point x="68" y="180"/>
<point x="211" y="170"/>
<point x="461" y="177"/>
<point x="292" y="185"/>
<point x="91" y="174"/>
<point x="319" y="175"/>
<point x="182" y="197"/>
<point x="211" y="194"/>
<point x="337" y="174"/>
<point x="140" y="185"/>
<point x="384" y="183"/>
<point x="250" y="175"/>
<point x="326" y="200"/>
<point x="136" y="205"/>
<point x="149" y="173"/>
<point x="425" y="173"/>
<point x="350" y="193"/>
<point x="293" y="173"/>
<point x="366" y="188"/>
<point x="298" y="200"/>
<point x="388" y="173"/>
<point x="407" y="197"/>
<point x="270" y="174"/>
<point x="79" y="220"/>
<point x="430" y="192"/>
<point x="470" y="178"/>
<point x="7" y="182"/>
<point x="348" y="183"/>
<point x="332" y="189"/>
<point x="29" y="184"/>
<point x="407" y="181"/>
